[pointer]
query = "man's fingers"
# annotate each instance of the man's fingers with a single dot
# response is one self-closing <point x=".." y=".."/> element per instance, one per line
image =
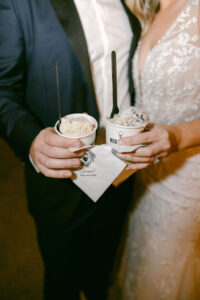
<point x="58" y="152"/>
<point x="53" y="163"/>
<point x="53" y="139"/>
<point x="54" y="173"/>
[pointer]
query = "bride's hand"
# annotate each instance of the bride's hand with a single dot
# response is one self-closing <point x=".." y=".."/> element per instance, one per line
<point x="160" y="139"/>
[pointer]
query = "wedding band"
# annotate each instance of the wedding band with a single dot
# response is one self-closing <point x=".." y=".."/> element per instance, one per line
<point x="156" y="159"/>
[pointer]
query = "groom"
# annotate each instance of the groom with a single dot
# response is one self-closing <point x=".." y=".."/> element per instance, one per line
<point x="77" y="238"/>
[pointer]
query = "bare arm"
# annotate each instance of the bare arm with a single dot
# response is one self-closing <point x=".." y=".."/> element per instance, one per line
<point x="189" y="134"/>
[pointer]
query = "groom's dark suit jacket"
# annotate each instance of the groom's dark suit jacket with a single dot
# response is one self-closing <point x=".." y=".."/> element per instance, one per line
<point x="35" y="34"/>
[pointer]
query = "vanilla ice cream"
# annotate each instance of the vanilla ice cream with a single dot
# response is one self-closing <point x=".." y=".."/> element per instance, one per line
<point x="76" y="127"/>
<point x="130" y="117"/>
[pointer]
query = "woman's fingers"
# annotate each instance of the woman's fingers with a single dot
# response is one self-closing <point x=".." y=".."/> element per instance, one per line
<point x="145" y="155"/>
<point x="137" y="166"/>
<point x="158" y="132"/>
<point x="135" y="159"/>
<point x="141" y="138"/>
<point x="159" y="149"/>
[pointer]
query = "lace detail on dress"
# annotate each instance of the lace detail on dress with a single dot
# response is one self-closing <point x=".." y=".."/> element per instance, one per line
<point x="170" y="74"/>
<point x="162" y="257"/>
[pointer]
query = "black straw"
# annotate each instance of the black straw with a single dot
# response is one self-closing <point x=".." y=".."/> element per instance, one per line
<point x="58" y="94"/>
<point x="115" y="109"/>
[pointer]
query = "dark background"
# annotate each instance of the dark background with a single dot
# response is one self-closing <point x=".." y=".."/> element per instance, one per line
<point x="21" y="268"/>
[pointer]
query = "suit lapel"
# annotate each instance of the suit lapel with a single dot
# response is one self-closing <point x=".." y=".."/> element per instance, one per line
<point x="68" y="16"/>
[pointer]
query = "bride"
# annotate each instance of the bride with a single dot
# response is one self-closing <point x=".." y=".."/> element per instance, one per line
<point x="162" y="252"/>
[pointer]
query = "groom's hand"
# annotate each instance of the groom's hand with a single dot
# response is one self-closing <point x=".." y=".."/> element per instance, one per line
<point x="51" y="155"/>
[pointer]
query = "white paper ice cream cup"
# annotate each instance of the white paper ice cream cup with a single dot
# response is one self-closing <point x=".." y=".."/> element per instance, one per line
<point x="115" y="132"/>
<point x="88" y="139"/>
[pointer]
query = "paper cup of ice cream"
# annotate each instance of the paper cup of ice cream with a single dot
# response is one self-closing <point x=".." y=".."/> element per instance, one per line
<point x="79" y="126"/>
<point x="127" y="123"/>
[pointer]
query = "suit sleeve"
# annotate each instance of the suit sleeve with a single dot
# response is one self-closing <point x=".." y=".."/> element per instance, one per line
<point x="17" y="125"/>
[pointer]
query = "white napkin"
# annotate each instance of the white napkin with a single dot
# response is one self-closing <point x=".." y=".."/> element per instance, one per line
<point x="101" y="168"/>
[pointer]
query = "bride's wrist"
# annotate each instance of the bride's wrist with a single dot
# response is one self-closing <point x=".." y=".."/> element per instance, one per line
<point x="178" y="138"/>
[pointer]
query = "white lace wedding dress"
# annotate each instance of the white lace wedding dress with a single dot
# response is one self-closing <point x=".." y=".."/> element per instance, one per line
<point x="162" y="253"/>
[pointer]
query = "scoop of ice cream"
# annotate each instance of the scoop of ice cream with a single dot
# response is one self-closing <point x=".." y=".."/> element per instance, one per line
<point x="132" y="116"/>
<point x="76" y="127"/>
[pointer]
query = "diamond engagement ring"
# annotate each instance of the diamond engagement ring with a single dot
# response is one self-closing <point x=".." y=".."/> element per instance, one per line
<point x="156" y="159"/>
